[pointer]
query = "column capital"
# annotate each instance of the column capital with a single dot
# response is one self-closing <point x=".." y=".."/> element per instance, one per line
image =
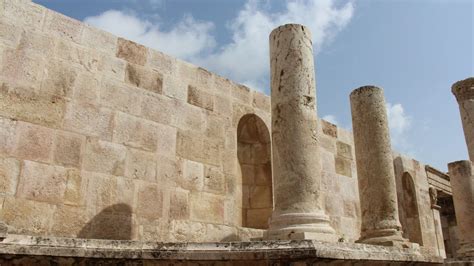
<point x="463" y="89"/>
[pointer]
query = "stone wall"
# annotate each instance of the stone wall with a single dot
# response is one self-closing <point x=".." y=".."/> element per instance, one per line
<point x="101" y="137"/>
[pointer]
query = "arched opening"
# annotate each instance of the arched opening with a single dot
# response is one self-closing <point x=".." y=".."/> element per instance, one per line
<point x="254" y="154"/>
<point x="410" y="215"/>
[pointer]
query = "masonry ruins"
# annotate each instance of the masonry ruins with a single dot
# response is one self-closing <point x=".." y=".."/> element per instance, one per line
<point x="114" y="153"/>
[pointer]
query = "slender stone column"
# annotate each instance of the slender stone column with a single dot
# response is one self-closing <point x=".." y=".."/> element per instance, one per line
<point x="464" y="92"/>
<point x="298" y="211"/>
<point x="375" y="171"/>
<point x="462" y="184"/>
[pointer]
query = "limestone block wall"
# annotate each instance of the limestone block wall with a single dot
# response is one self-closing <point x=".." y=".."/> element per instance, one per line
<point x="101" y="137"/>
<point x="419" y="221"/>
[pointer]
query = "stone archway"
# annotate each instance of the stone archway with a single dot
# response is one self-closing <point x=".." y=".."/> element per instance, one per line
<point x="254" y="154"/>
<point x="410" y="214"/>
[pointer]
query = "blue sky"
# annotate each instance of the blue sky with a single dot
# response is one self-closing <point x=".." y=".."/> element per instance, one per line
<point x="415" y="50"/>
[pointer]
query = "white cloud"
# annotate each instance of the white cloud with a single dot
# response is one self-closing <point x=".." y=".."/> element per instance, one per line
<point x="331" y="119"/>
<point x="399" y="122"/>
<point x="185" y="40"/>
<point x="245" y="58"/>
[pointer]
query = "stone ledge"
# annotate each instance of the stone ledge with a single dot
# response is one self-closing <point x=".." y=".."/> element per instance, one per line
<point x="301" y="250"/>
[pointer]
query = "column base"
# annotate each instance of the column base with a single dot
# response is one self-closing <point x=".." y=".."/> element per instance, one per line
<point x="387" y="237"/>
<point x="300" y="226"/>
<point x="466" y="251"/>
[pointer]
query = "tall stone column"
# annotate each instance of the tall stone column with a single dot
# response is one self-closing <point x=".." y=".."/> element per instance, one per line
<point x="375" y="171"/>
<point x="462" y="184"/>
<point x="298" y="211"/>
<point x="464" y="92"/>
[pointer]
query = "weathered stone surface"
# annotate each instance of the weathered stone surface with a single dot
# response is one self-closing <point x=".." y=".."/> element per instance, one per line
<point x="214" y="180"/>
<point x="462" y="180"/>
<point x="149" y="201"/>
<point x="24" y="13"/>
<point x="59" y="79"/>
<point x="464" y="92"/>
<point x="179" y="205"/>
<point x="9" y="172"/>
<point x="27" y="216"/>
<point x="141" y="77"/>
<point x="378" y="196"/>
<point x="135" y="132"/>
<point x="343" y="166"/>
<point x="132" y="52"/>
<point x="329" y="128"/>
<point x="207" y="207"/>
<point x="303" y="252"/>
<point x="86" y="88"/>
<point x="200" y="98"/>
<point x="296" y="161"/>
<point x="7" y="135"/>
<point x="63" y="27"/>
<point x="23" y="103"/>
<point x="74" y="193"/>
<point x="83" y="58"/>
<point x="140" y="165"/>
<point x="99" y="40"/>
<point x="119" y="96"/>
<point x="42" y="182"/>
<point x="68" y="149"/>
<point x="100" y="191"/>
<point x="158" y="108"/>
<point x="68" y="221"/>
<point x="34" y="142"/>
<point x="104" y="157"/>
<point x="90" y="120"/>
<point x="261" y="101"/>
<point x="193" y="175"/>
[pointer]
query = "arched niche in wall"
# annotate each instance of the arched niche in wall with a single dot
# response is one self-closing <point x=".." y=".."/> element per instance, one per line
<point x="254" y="154"/>
<point x="410" y="214"/>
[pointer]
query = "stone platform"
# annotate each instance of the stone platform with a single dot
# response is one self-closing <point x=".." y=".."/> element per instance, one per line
<point x="28" y="250"/>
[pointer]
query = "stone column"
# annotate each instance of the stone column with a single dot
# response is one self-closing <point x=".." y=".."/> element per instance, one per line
<point x="464" y="92"/>
<point x="375" y="171"/>
<point x="298" y="211"/>
<point x="462" y="184"/>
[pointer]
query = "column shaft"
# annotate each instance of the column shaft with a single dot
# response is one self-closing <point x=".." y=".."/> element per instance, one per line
<point x="377" y="189"/>
<point x="296" y="163"/>
<point x="462" y="183"/>
<point x="464" y="92"/>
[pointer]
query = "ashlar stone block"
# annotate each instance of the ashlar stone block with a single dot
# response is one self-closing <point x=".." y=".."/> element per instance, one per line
<point x="193" y="175"/>
<point x="7" y="135"/>
<point x="24" y="13"/>
<point x="68" y="149"/>
<point x="85" y="59"/>
<point x="34" y="142"/>
<point x="90" y="120"/>
<point x="140" y="165"/>
<point x="59" y="78"/>
<point x="148" y="79"/>
<point x="63" y="27"/>
<point x="42" y="182"/>
<point x="149" y="201"/>
<point x="200" y="98"/>
<point x="23" y="103"/>
<point x="135" y="132"/>
<point x="214" y="180"/>
<point x="20" y="67"/>
<point x="329" y="129"/>
<point x="207" y="207"/>
<point x="74" y="194"/>
<point x="121" y="97"/>
<point x="97" y="39"/>
<point x="27" y="216"/>
<point x="104" y="157"/>
<point x="68" y="221"/>
<point x="131" y="51"/>
<point x="9" y="173"/>
<point x="179" y="205"/>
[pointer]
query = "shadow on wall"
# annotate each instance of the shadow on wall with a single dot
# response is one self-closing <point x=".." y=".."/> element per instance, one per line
<point x="113" y="222"/>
